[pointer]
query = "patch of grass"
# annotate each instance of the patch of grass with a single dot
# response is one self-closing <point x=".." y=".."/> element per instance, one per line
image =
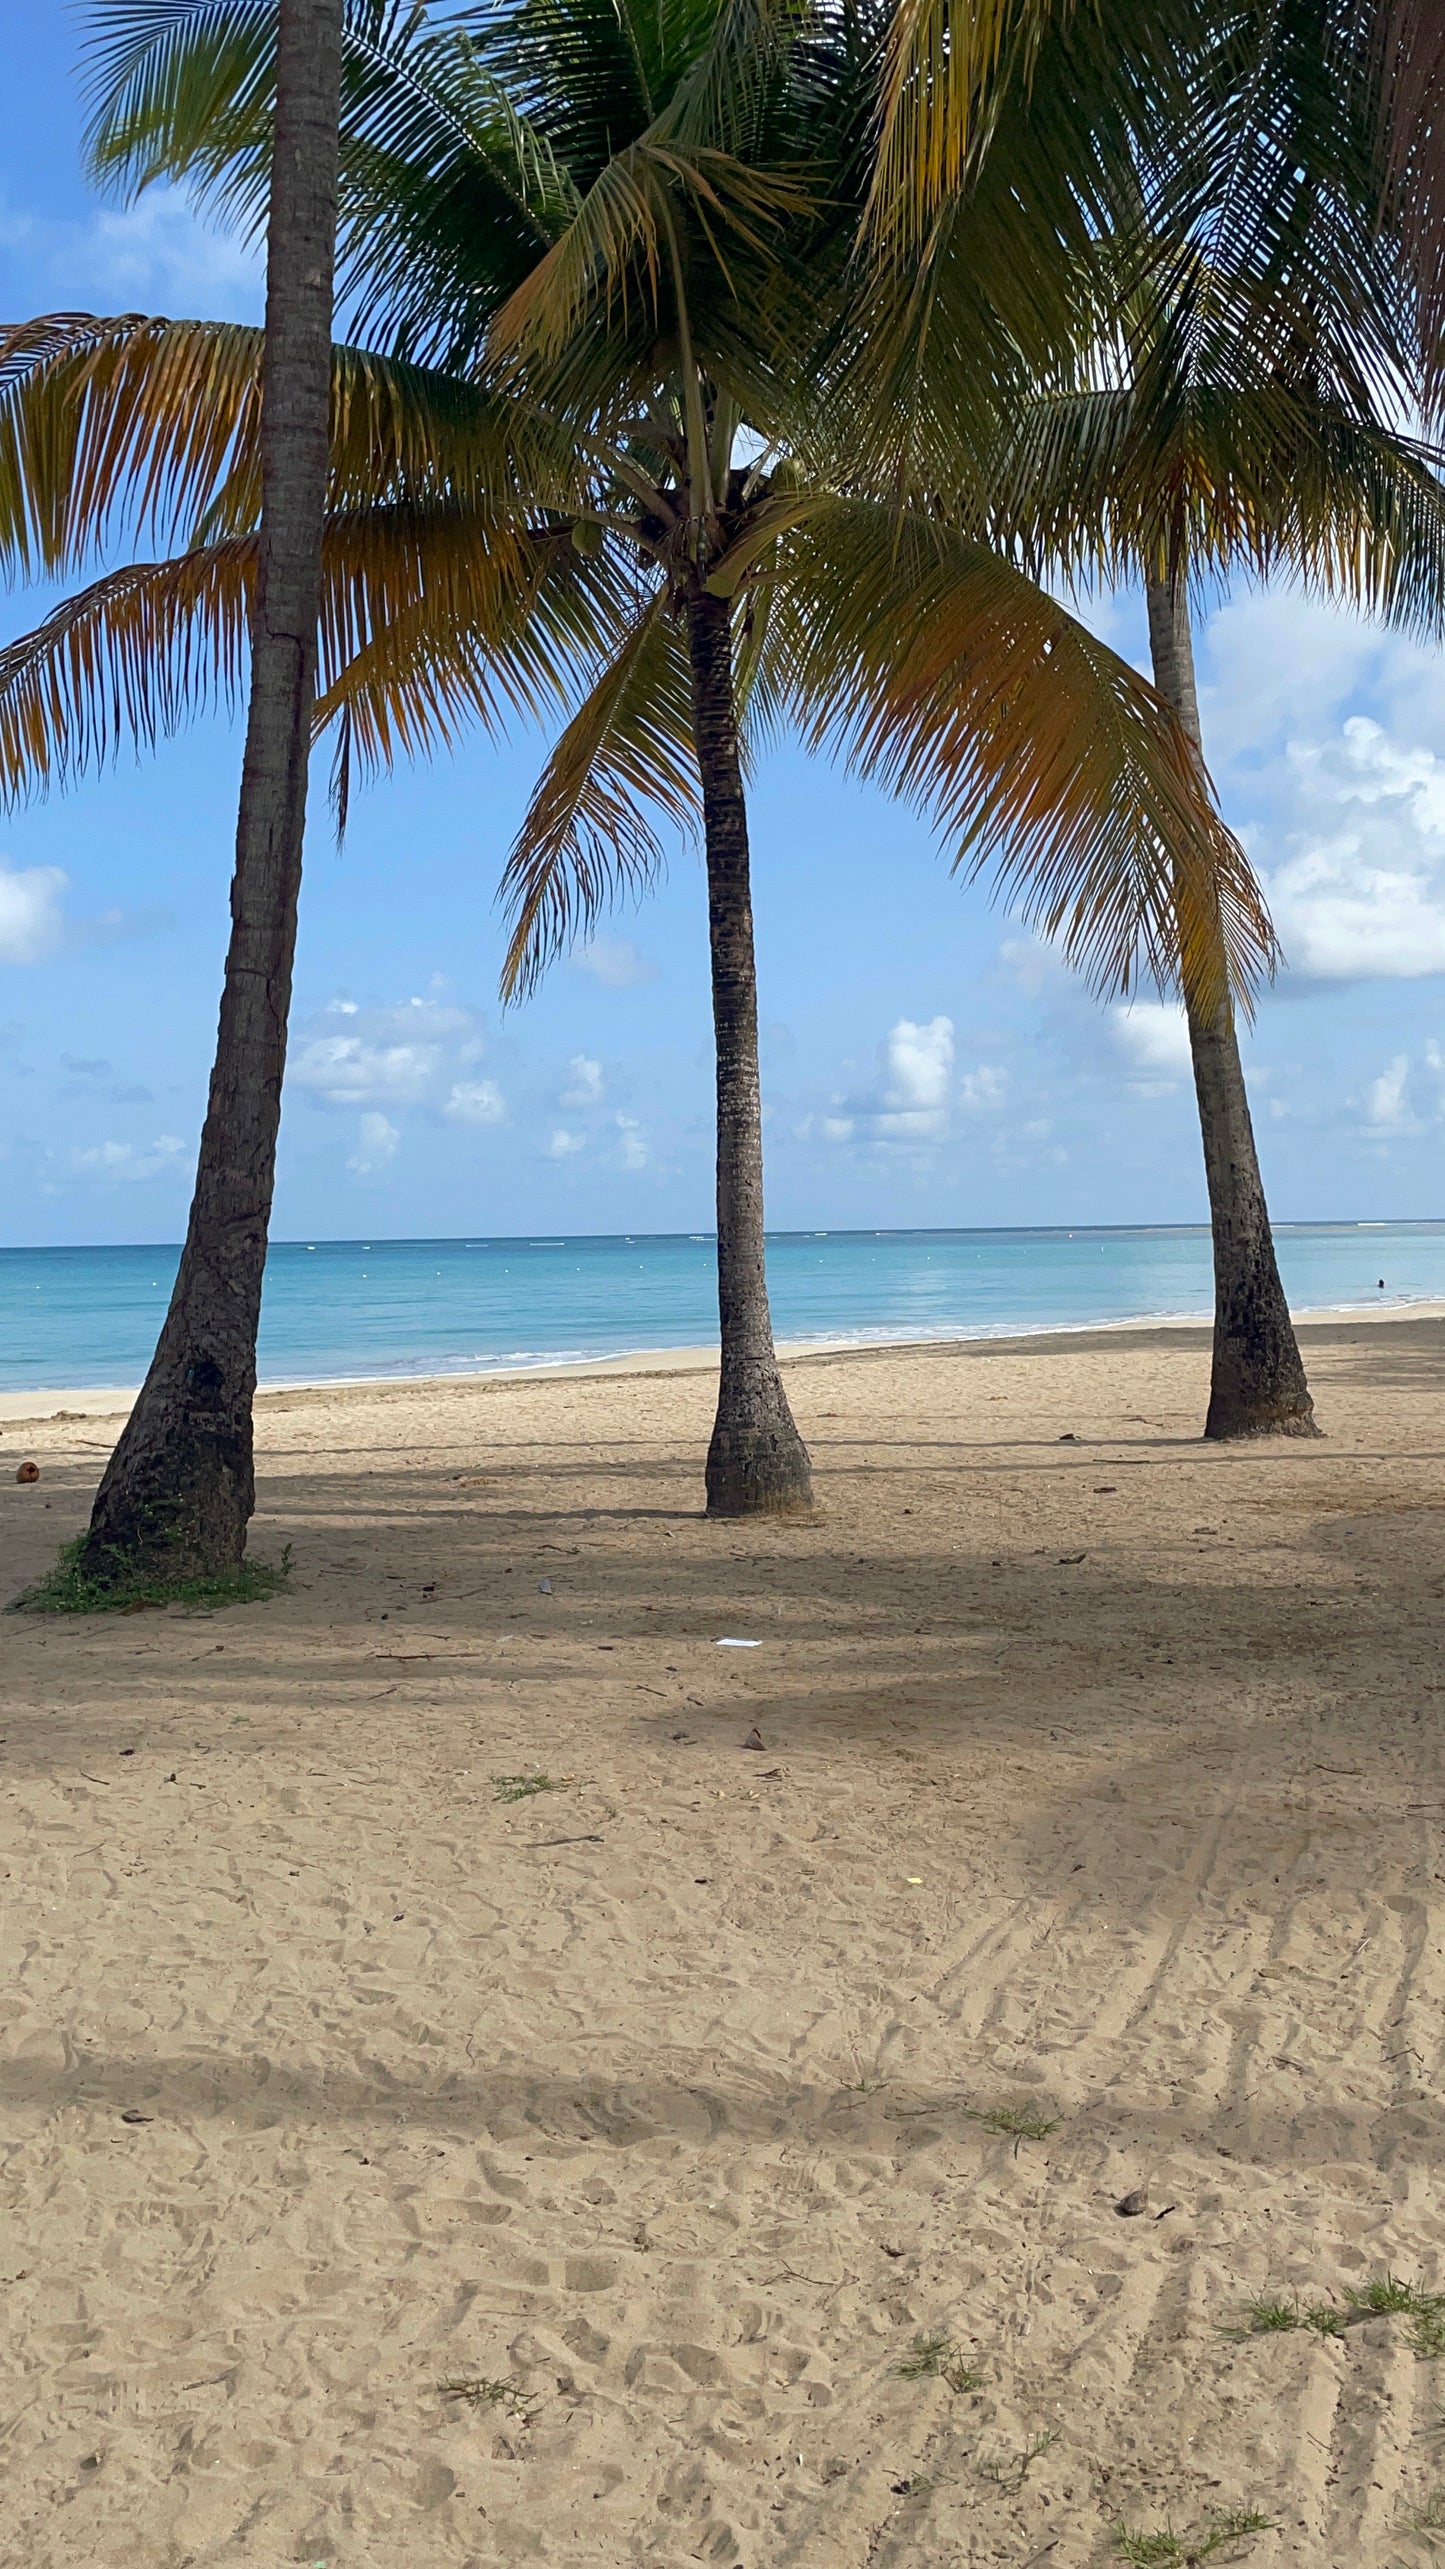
<point x="938" y="2359"/>
<point x="478" y="2392"/>
<point x="73" y="1588"/>
<point x="1013" y="2122"/>
<point x="1324" y="2319"/>
<point x="1171" y="2550"/>
<point x="520" y="1788"/>
<point x="1010" y="2470"/>
<point x="1427" y="2331"/>
<point x="1387" y="2296"/>
<point x="1431" y="2517"/>
<point x="1265" y="2318"/>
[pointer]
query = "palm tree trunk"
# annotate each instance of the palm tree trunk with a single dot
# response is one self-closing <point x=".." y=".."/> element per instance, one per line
<point x="757" y="1462"/>
<point x="179" y="1490"/>
<point x="1257" y="1383"/>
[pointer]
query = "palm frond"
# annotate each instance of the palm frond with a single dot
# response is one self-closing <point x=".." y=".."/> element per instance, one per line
<point x="123" y="662"/>
<point x="590" y="836"/>
<point x="722" y="98"/>
<point x="439" y="666"/>
<point x="945" y="59"/>
<point x="440" y="174"/>
<point x="150" y="428"/>
<point x="1270" y="212"/>
<point x="615" y="239"/>
<point x="622" y="239"/>
<point x="1000" y="171"/>
<point x="119" y="420"/>
<point x="1409" y="49"/>
<point x="1101" y="484"/>
<point x="431" y="619"/>
<point x="175" y="85"/>
<point x="925" y="660"/>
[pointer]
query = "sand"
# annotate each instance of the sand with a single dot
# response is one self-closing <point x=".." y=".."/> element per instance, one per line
<point x="1102" y="1789"/>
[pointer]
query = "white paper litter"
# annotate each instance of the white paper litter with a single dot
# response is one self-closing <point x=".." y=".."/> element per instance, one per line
<point x="737" y="1645"/>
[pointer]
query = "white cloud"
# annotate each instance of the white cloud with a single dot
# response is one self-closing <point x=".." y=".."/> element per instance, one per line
<point x="416" y="1054"/>
<point x="378" y="1145"/>
<point x="119" y="1163"/>
<point x="1387" y="1104"/>
<point x="157" y="255"/>
<point x="1326" y="737"/>
<point x="32" y="924"/>
<point x="909" y="1100"/>
<point x="615" y="963"/>
<point x="1153" y="1036"/>
<point x="632" y="1149"/>
<point x="1279" y="665"/>
<point x="983" y="1091"/>
<point x="1033" y="967"/>
<point x="1362" y="888"/>
<point x="564" y="1145"/>
<point x="584" y="1083"/>
<point x="920" y="1059"/>
<point x="475" y="1101"/>
<point x="390" y="1055"/>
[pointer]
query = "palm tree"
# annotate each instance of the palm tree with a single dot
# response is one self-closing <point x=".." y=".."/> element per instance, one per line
<point x="663" y="321"/>
<point x="1252" y="312"/>
<point x="1257" y="1378"/>
<point x="697" y="569"/>
<point x="178" y="1492"/>
<point x="1279" y="480"/>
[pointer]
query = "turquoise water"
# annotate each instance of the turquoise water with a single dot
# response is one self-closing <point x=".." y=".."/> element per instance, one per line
<point x="348" y="1308"/>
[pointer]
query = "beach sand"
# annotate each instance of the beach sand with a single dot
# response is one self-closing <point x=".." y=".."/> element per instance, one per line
<point x="1102" y="1790"/>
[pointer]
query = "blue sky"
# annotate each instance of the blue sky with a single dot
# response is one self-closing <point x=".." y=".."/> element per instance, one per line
<point x="924" y="1060"/>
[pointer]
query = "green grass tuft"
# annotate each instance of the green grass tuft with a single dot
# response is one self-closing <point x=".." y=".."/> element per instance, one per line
<point x="1008" y="2471"/>
<point x="1386" y="2297"/>
<point x="1171" y="2550"/>
<point x="520" y="1788"/>
<point x="938" y="2359"/>
<point x="1012" y="2122"/>
<point x="73" y="1589"/>
<point x="1265" y="2318"/>
<point x="1427" y="2329"/>
<point x="1324" y="2319"/>
<point x="1383" y="2297"/>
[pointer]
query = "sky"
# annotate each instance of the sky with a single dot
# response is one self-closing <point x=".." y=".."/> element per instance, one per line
<point x="925" y="1061"/>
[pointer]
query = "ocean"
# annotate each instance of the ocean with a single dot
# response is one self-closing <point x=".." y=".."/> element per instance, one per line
<point x="340" y="1310"/>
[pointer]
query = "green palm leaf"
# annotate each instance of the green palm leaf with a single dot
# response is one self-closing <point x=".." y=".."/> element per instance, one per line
<point x="590" y="835"/>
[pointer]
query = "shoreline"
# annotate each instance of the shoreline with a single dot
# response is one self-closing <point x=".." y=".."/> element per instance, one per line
<point x="114" y="1400"/>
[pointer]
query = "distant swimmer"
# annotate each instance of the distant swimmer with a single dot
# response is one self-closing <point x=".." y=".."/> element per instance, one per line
<point x="1382" y="1284"/>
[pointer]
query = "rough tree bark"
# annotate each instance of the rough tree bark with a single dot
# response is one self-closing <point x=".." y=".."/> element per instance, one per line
<point x="178" y="1493"/>
<point x="757" y="1462"/>
<point x="1257" y="1382"/>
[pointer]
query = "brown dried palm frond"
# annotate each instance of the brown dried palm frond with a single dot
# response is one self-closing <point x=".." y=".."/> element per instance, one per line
<point x="151" y="427"/>
<point x="432" y="618"/>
